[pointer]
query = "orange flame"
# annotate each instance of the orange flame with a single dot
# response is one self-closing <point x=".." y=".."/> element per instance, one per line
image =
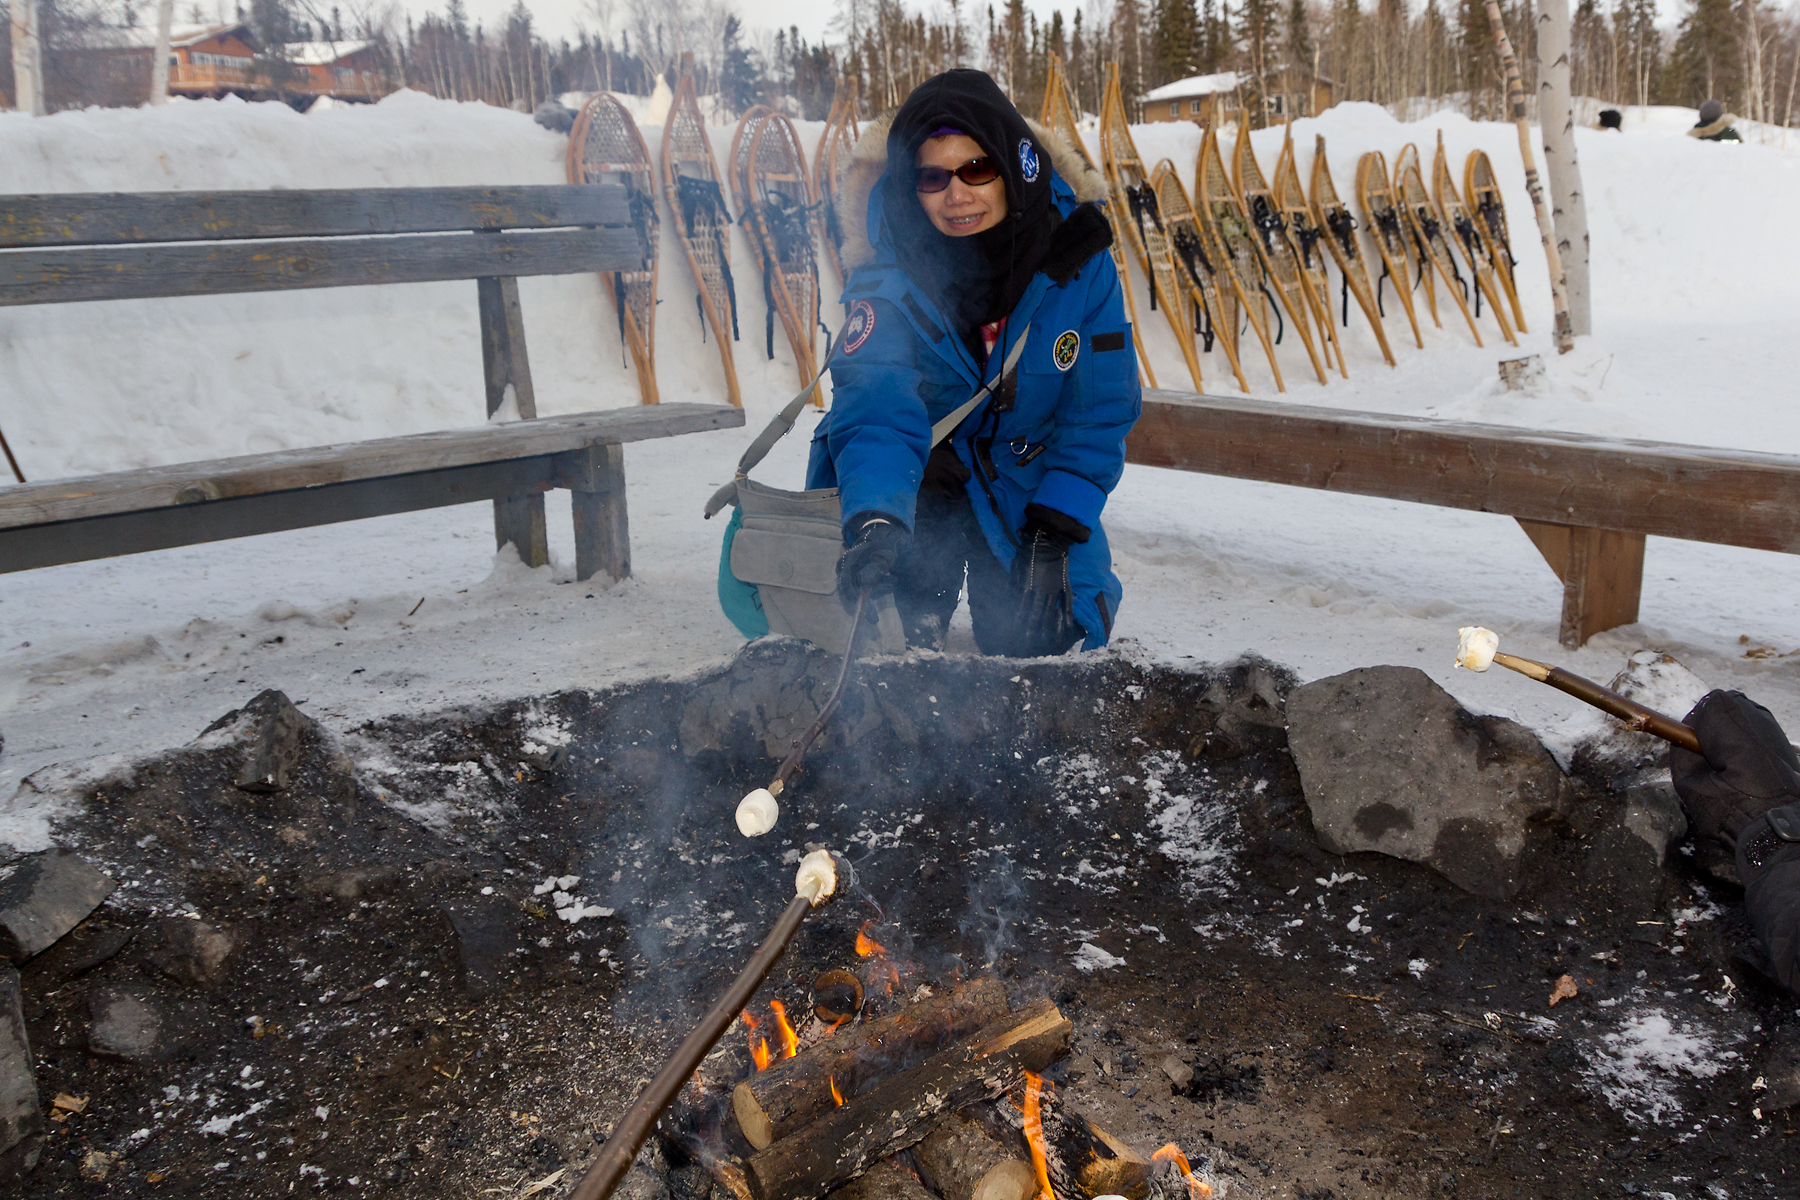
<point x="759" y="1046"/>
<point x="1034" y="1134"/>
<point x="883" y="967"/>
<point x="866" y="945"/>
<point x="835" y="1097"/>
<point x="790" y="1041"/>
<point x="1198" y="1189"/>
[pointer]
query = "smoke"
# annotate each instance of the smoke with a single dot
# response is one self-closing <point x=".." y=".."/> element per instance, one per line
<point x="996" y="902"/>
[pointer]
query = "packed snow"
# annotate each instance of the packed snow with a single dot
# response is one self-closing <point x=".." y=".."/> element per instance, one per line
<point x="1694" y="293"/>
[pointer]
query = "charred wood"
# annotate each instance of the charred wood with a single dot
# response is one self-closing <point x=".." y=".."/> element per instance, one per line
<point x="963" y="1161"/>
<point x="792" y="1093"/>
<point x="883" y="1181"/>
<point x="901" y="1110"/>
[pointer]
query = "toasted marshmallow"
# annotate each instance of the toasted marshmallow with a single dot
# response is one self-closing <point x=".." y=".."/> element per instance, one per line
<point x="817" y="877"/>
<point x="757" y="813"/>
<point x="1475" y="647"/>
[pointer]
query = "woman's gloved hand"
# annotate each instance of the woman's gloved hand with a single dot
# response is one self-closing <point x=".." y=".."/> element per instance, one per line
<point x="1744" y="789"/>
<point x="874" y="545"/>
<point x="1745" y="768"/>
<point x="1044" y="616"/>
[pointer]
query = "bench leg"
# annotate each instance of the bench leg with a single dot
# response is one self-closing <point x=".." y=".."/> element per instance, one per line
<point x="595" y="478"/>
<point x="1602" y="571"/>
<point x="520" y="520"/>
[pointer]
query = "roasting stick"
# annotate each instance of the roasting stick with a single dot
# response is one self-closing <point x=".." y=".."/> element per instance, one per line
<point x="758" y="811"/>
<point x="815" y="883"/>
<point x="1478" y="649"/>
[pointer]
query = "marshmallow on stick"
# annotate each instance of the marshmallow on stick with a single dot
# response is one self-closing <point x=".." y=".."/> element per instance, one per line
<point x="1478" y="649"/>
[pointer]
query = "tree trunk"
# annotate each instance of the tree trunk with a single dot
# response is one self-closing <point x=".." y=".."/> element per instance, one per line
<point x="795" y="1091"/>
<point x="159" y="65"/>
<point x="1556" y="118"/>
<point x="1515" y="102"/>
<point x="28" y="59"/>
<point x="899" y="1112"/>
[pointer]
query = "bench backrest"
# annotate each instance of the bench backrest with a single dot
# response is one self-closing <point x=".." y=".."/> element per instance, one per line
<point x="112" y="246"/>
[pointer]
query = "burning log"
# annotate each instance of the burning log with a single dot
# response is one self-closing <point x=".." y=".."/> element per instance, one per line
<point x="964" y="1161"/>
<point x="1080" y="1158"/>
<point x="883" y="1181"/>
<point x="899" y="1111"/>
<point x="793" y="1092"/>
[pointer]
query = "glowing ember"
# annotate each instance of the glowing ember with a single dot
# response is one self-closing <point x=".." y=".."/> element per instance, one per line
<point x="759" y="1046"/>
<point x="881" y="967"/>
<point x="790" y="1041"/>
<point x="866" y="946"/>
<point x="1034" y="1133"/>
<point x="835" y="1097"/>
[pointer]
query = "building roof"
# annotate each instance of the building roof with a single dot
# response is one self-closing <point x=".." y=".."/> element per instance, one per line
<point x="321" y="54"/>
<point x="1193" y="85"/>
<point x="143" y="37"/>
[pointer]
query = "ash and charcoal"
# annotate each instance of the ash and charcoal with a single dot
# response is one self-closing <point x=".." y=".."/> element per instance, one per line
<point x="329" y="960"/>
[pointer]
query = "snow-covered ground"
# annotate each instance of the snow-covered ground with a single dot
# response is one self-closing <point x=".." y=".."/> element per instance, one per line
<point x="1695" y="341"/>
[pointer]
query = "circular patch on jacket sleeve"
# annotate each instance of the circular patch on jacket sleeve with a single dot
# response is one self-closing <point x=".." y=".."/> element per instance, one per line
<point x="1064" y="351"/>
<point x="1028" y="160"/>
<point x="859" y="325"/>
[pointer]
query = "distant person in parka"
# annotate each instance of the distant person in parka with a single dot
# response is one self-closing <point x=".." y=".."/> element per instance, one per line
<point x="1714" y="124"/>
<point x="970" y="231"/>
<point x="1743" y="789"/>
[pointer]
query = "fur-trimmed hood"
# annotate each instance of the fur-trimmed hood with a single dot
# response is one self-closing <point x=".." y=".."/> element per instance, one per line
<point x="868" y="161"/>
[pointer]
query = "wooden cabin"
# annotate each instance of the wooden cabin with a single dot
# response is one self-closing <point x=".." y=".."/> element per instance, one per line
<point x="204" y="60"/>
<point x="341" y="70"/>
<point x="1202" y="99"/>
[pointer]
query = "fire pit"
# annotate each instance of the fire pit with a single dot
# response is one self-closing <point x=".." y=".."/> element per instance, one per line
<point x="459" y="945"/>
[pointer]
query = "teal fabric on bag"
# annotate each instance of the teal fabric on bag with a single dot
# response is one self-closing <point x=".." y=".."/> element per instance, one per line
<point x="737" y="598"/>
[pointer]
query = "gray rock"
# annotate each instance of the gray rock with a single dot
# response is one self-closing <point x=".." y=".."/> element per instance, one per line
<point x="193" y="952"/>
<point x="486" y="942"/>
<point x="21" y="1116"/>
<point x="1390" y="762"/>
<point x="1629" y="853"/>
<point x="1179" y="1073"/>
<point x="45" y="896"/>
<point x="275" y="737"/>
<point x="129" y="1024"/>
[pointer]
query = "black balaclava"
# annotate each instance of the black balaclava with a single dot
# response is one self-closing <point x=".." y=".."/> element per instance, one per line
<point x="974" y="280"/>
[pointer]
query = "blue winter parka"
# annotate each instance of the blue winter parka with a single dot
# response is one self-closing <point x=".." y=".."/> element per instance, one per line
<point x="1057" y="440"/>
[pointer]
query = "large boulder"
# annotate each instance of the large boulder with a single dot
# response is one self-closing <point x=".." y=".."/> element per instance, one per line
<point x="1390" y="762"/>
<point x="43" y="897"/>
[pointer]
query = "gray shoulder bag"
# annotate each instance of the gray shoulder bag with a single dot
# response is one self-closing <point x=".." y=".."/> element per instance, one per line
<point x="788" y="543"/>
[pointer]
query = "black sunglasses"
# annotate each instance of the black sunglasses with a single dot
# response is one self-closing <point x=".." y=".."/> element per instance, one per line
<point x="975" y="172"/>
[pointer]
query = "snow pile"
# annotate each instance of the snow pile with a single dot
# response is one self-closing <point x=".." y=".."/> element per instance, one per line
<point x="1090" y="958"/>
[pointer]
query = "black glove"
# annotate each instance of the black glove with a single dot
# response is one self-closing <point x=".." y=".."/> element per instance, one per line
<point x="1768" y="861"/>
<point x="1745" y="768"/>
<point x="1044" y="612"/>
<point x="874" y="545"/>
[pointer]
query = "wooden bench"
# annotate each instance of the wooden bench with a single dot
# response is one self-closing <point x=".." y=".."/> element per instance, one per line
<point x="1586" y="502"/>
<point x="58" y="249"/>
<point x="98" y="516"/>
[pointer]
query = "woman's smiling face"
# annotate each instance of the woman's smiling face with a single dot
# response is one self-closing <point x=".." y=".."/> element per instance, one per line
<point x="960" y="210"/>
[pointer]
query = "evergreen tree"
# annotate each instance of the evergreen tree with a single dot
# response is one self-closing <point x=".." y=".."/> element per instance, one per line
<point x="1177" y="40"/>
<point x="1299" y="36"/>
<point x="741" y="79"/>
<point x="1707" y="65"/>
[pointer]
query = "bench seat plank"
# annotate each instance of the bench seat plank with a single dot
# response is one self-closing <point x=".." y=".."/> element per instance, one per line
<point x="1733" y="497"/>
<point x="209" y="269"/>
<point x="184" y="484"/>
<point x="111" y="218"/>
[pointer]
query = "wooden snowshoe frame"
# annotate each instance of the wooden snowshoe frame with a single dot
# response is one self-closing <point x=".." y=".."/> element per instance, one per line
<point x="701" y="228"/>
<point x="1387" y="229"/>
<point x="1059" y="117"/>
<point x="1489" y="210"/>
<point x="1331" y="214"/>
<point x="606" y="147"/>
<point x="1226" y="230"/>
<point x="1465" y="237"/>
<point x="1305" y="236"/>
<point x="1428" y="225"/>
<point x="776" y="210"/>
<point x="1270" y="237"/>
<point x="1194" y="262"/>
<point x="1127" y="179"/>
<point x="835" y="145"/>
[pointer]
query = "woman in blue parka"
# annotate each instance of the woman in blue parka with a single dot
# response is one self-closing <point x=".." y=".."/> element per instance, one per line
<point x="970" y="229"/>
